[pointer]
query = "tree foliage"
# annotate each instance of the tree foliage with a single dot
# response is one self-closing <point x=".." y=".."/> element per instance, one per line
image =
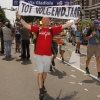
<point x="88" y="22"/>
<point x="3" y="18"/>
<point x="31" y="18"/>
<point x="84" y="23"/>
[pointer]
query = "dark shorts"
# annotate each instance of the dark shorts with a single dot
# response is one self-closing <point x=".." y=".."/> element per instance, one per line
<point x="54" y="48"/>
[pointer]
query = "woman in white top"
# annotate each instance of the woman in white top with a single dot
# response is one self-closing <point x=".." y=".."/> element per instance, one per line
<point x="63" y="46"/>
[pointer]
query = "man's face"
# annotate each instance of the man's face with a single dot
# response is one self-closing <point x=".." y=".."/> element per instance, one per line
<point x="45" y="21"/>
<point x="95" y="26"/>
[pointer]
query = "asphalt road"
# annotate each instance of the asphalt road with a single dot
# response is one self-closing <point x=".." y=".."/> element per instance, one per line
<point x="18" y="78"/>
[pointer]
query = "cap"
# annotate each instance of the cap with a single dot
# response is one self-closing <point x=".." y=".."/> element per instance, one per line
<point x="96" y="22"/>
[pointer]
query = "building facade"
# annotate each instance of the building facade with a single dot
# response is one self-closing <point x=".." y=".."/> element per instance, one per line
<point x="89" y="8"/>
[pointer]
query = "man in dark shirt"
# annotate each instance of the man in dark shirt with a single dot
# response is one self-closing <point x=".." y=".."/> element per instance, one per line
<point x="2" y="41"/>
<point x="25" y="42"/>
<point x="93" y="47"/>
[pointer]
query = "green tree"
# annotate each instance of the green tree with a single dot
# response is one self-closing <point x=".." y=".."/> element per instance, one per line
<point x="30" y="19"/>
<point x="3" y="18"/>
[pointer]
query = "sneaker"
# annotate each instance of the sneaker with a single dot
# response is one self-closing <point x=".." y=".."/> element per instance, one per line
<point x="99" y="76"/>
<point x="53" y="63"/>
<point x="62" y="59"/>
<point x="41" y="96"/>
<point x="50" y="67"/>
<point x="9" y="56"/>
<point x="79" y="52"/>
<point x="76" y="51"/>
<point x="87" y="70"/>
<point x="44" y="89"/>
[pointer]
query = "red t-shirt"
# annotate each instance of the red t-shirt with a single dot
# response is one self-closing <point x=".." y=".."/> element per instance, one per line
<point x="44" y="40"/>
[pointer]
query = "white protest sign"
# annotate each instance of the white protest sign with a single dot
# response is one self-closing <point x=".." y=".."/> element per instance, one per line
<point x="61" y="12"/>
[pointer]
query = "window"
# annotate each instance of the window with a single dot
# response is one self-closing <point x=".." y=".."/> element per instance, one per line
<point x="96" y="1"/>
<point x="90" y="2"/>
<point x="78" y="2"/>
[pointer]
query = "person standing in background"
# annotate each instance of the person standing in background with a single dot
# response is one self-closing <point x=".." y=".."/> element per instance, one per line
<point x="7" y="35"/>
<point x="63" y="46"/>
<point x="2" y="39"/>
<point x="73" y="32"/>
<point x="17" y="39"/>
<point x="54" y="48"/>
<point x="25" y="42"/>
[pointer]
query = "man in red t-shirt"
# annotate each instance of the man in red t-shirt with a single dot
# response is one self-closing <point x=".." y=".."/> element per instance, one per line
<point x="43" y="48"/>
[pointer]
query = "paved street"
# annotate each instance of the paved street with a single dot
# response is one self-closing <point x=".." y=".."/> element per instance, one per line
<point x="18" y="78"/>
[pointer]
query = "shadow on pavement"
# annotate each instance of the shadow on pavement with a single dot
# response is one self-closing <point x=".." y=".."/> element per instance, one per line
<point x="70" y="96"/>
<point x="2" y="54"/>
<point x="19" y="60"/>
<point x="8" y="59"/>
<point x="87" y="81"/>
<point x="26" y="62"/>
<point x="82" y="55"/>
<point x="92" y="81"/>
<point x="96" y="81"/>
<point x="58" y="73"/>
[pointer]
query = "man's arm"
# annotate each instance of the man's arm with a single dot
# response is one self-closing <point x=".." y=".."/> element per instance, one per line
<point x="70" y="24"/>
<point x="26" y="25"/>
<point x="90" y="36"/>
<point x="67" y="25"/>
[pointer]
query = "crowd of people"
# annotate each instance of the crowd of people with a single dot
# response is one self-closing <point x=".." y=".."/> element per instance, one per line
<point x="47" y="38"/>
<point x="21" y="36"/>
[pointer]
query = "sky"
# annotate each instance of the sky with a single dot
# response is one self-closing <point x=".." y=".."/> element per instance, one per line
<point x="9" y="14"/>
